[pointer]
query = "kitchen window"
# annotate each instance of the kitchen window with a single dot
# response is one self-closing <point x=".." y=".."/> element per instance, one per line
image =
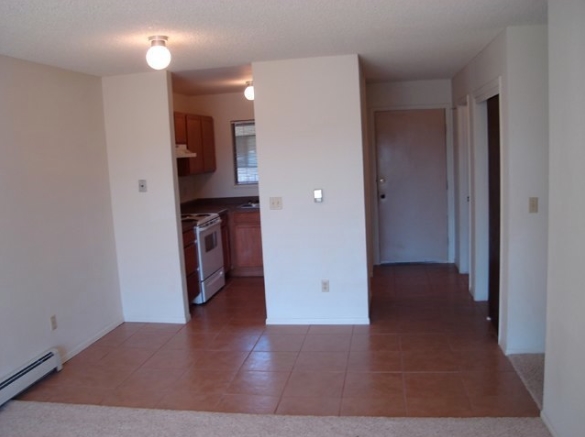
<point x="245" y="159"/>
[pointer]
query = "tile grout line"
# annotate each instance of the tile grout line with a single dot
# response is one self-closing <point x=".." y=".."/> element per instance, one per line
<point x="345" y="375"/>
<point x="291" y="372"/>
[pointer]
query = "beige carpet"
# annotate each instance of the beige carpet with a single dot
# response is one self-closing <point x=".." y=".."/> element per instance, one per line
<point x="24" y="419"/>
<point x="530" y="368"/>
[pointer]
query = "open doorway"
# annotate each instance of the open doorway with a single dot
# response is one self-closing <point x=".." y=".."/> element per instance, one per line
<point x="494" y="201"/>
<point x="485" y="166"/>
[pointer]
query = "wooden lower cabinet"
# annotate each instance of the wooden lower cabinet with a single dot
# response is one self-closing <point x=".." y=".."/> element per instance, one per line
<point x="191" y="264"/>
<point x="225" y="241"/>
<point x="192" y="287"/>
<point x="246" y="242"/>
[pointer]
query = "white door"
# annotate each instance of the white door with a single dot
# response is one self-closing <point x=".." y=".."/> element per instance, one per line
<point x="412" y="185"/>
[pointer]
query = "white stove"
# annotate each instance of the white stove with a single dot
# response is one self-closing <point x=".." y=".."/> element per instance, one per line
<point x="200" y="219"/>
<point x="207" y="227"/>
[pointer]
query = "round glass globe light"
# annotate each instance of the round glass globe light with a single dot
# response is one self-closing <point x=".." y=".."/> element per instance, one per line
<point x="158" y="57"/>
<point x="249" y="92"/>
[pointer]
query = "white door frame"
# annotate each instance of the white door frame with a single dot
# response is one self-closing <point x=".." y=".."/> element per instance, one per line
<point x="462" y="192"/>
<point x="479" y="222"/>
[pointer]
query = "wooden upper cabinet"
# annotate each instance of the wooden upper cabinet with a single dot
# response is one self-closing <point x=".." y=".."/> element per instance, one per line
<point x="195" y="143"/>
<point x="200" y="140"/>
<point x="180" y="128"/>
<point x="208" y="140"/>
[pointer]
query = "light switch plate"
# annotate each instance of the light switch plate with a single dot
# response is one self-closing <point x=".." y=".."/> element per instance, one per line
<point x="142" y="188"/>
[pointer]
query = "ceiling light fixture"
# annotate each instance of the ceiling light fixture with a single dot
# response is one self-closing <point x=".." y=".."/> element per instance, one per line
<point x="158" y="56"/>
<point x="249" y="91"/>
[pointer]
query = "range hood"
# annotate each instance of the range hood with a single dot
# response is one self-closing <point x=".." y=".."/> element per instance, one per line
<point x="181" y="151"/>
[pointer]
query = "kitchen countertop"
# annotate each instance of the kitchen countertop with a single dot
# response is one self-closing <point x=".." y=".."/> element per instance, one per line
<point x="217" y="205"/>
<point x="187" y="226"/>
<point x="198" y="209"/>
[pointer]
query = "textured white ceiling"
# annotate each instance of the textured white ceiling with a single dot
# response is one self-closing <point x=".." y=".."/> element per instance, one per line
<point x="396" y="39"/>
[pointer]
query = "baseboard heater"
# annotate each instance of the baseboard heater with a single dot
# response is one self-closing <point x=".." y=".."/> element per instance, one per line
<point x="30" y="373"/>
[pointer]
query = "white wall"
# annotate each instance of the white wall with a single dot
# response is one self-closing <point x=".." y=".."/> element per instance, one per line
<point x="527" y="175"/>
<point x="57" y="253"/>
<point x="224" y="108"/>
<point x="309" y="135"/>
<point x="181" y="103"/>
<point x="564" y="390"/>
<point x="138" y="120"/>
<point x="482" y="73"/>
<point x="514" y="64"/>
<point x="414" y="94"/>
<point x="411" y="95"/>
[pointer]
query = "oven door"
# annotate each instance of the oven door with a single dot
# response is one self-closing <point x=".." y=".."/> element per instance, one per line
<point x="209" y="249"/>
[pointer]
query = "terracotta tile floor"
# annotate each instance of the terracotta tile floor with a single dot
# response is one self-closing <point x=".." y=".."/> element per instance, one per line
<point x="428" y="352"/>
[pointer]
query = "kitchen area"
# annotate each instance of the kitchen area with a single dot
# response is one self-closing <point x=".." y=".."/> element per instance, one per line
<point x="217" y="180"/>
<point x="221" y="238"/>
<point x="150" y="254"/>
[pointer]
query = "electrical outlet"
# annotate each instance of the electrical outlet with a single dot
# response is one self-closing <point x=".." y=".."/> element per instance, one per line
<point x="533" y="205"/>
<point x="325" y="285"/>
<point x="275" y="202"/>
<point x="53" y="322"/>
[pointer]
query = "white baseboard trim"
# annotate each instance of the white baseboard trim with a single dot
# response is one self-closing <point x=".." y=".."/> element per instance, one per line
<point x="72" y="352"/>
<point x="523" y="351"/>
<point x="286" y="321"/>
<point x="138" y="318"/>
<point x="548" y="424"/>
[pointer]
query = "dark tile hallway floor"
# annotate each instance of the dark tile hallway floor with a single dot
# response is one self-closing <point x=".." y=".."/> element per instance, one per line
<point x="428" y="352"/>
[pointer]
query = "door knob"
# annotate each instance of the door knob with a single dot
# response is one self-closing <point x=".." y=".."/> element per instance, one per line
<point x="382" y="196"/>
<point x="381" y="180"/>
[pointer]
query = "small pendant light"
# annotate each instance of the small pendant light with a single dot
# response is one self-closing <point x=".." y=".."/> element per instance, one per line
<point x="249" y="91"/>
<point x="158" y="56"/>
